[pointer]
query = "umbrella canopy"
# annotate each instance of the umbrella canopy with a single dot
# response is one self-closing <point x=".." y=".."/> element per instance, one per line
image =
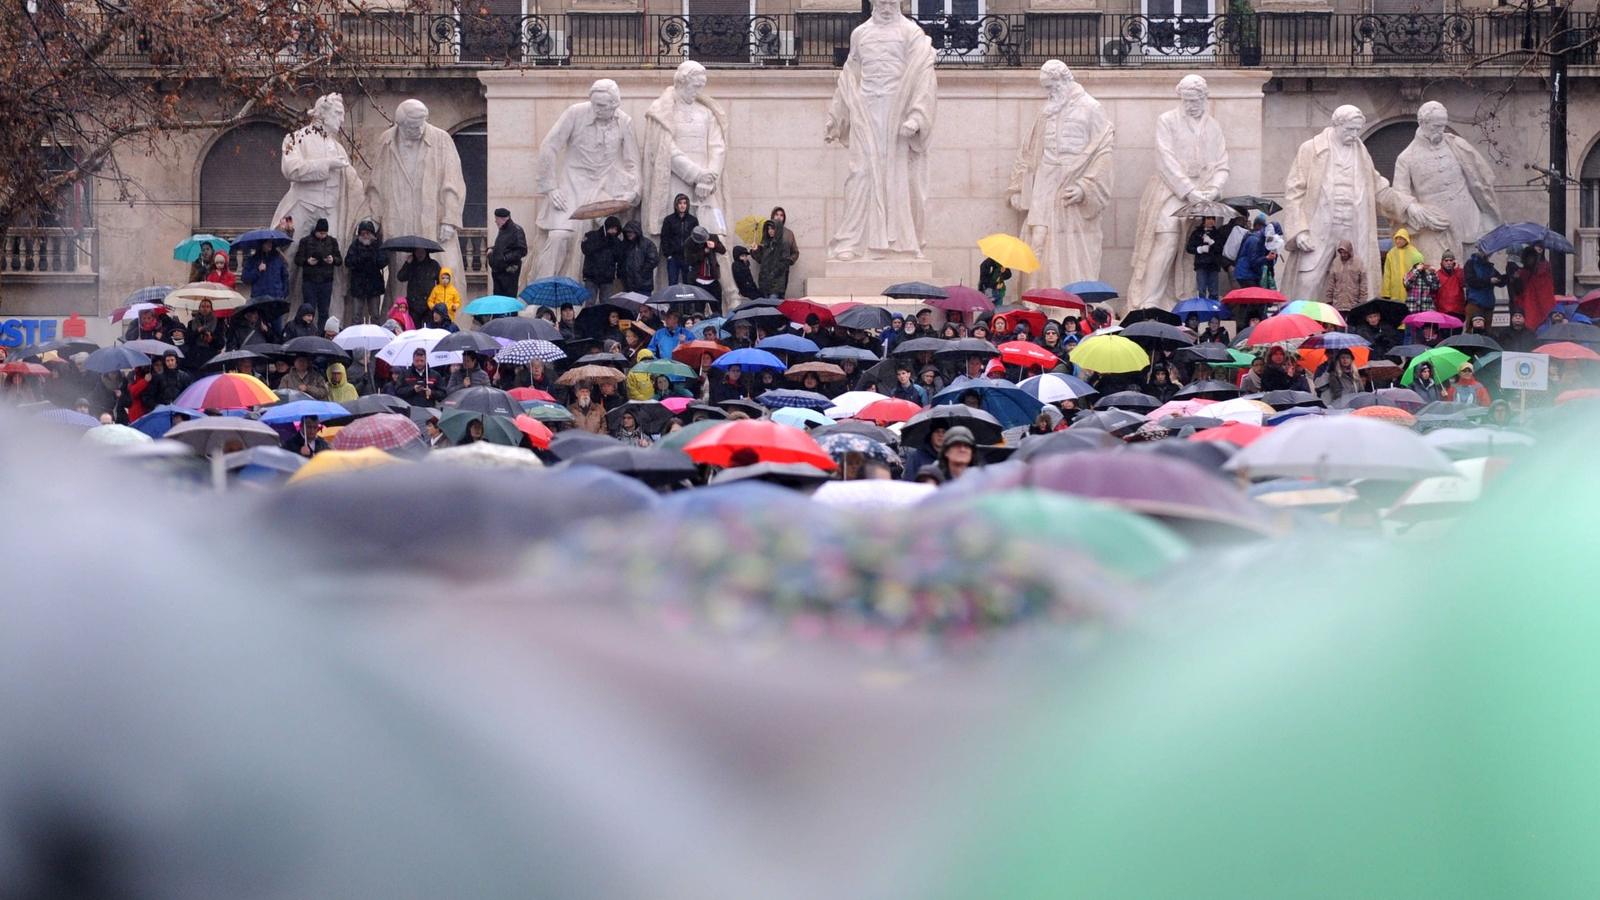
<point x="779" y="398"/>
<point x="1432" y="317"/>
<point x="851" y="402"/>
<point x="151" y="348"/>
<point x="968" y="347"/>
<point x="1184" y="408"/>
<point x="674" y="294"/>
<point x="822" y="371"/>
<point x="520" y="353"/>
<point x="521" y="328"/>
<point x="1205" y="209"/>
<point x="312" y="345"/>
<point x="494" y="305"/>
<point x="1056" y="298"/>
<point x="753" y="441"/>
<point x="1010" y="405"/>
<point x="801" y="417"/>
<point x="961" y="299"/>
<point x="1038" y="446"/>
<point x="840" y="444"/>
<point x="1316" y="311"/>
<point x="556" y="290"/>
<point x="1246" y="202"/>
<point x="250" y="239"/>
<point x="189" y="296"/>
<point x="485" y="400"/>
<point x="692" y="353"/>
<point x="384" y="431"/>
<point x="1341" y="448"/>
<point x="363" y="337"/>
<point x="985" y="427"/>
<point x="651" y="416"/>
<point x="497" y="429"/>
<point x="229" y="390"/>
<point x="1240" y="409"/>
<point x="1464" y="443"/>
<point x="579" y="374"/>
<point x="1286" y="399"/>
<point x="399" y="351"/>
<point x="1092" y="291"/>
<point x="1129" y="400"/>
<point x="148" y="296"/>
<point x="915" y="290"/>
<point x="888" y="411"/>
<point x="1156" y="334"/>
<point x="468" y="342"/>
<point x="1109" y="354"/>
<point x="1054" y="387"/>
<point x="1387" y="414"/>
<point x="408" y="242"/>
<point x="652" y="465"/>
<point x="1010" y="251"/>
<point x="213" y="434"/>
<point x="787" y="343"/>
<point x="1446" y="362"/>
<point x="336" y="462"/>
<point x="1282" y="329"/>
<point x="289" y="413"/>
<point x="750" y="359"/>
<point x="1517" y="233"/>
<point x="1027" y="353"/>
<point x="157" y="422"/>
<point x="1577" y="332"/>
<point x="188" y="249"/>
<point x="863" y="318"/>
<point x="1563" y="350"/>
<point x="1215" y="390"/>
<point x="1122" y="541"/>
<point x="839" y="354"/>
<point x="115" y="359"/>
<point x="1202" y="307"/>
<point x="1254" y="296"/>
<point x="372" y="404"/>
<point x="487" y="455"/>
<point x="1149" y="314"/>
<point x="768" y="315"/>
<point x="801" y="309"/>
<point x="855" y="426"/>
<point x="919" y="345"/>
<point x="1472" y="343"/>
<point x="1240" y="434"/>
<point x="111" y="435"/>
<point x="68" y="417"/>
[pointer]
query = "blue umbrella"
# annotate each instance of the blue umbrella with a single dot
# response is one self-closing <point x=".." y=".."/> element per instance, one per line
<point x="494" y="305"/>
<point x="188" y="249"/>
<point x="749" y="359"/>
<point x="787" y="343"/>
<point x="152" y="294"/>
<point x="556" y="290"/>
<point x="781" y="398"/>
<point x="1292" y="413"/>
<point x="260" y="235"/>
<point x="1523" y="233"/>
<point x="799" y="416"/>
<point x="69" y="417"/>
<point x="1011" y="405"/>
<point x="1092" y="291"/>
<point x="114" y="359"/>
<point x="1341" y="340"/>
<point x="713" y="322"/>
<point x="1204" y="307"/>
<point x="285" y="413"/>
<point x="158" y="421"/>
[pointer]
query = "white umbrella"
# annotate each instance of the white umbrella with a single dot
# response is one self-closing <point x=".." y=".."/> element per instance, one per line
<point x="1340" y="448"/>
<point x="1467" y="442"/>
<point x="1051" y="388"/>
<point x="849" y="403"/>
<point x="132" y="312"/>
<point x="115" y="436"/>
<point x="485" y="455"/>
<point x="364" y="337"/>
<point x="1238" y="409"/>
<point x="871" y="494"/>
<point x="1446" y="494"/>
<point x="398" y="351"/>
<point x="189" y="296"/>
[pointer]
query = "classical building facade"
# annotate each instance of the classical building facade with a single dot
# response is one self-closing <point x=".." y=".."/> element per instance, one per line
<point x="496" y="82"/>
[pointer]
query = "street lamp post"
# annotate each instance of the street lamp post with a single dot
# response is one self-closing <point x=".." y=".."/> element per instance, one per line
<point x="1559" y="42"/>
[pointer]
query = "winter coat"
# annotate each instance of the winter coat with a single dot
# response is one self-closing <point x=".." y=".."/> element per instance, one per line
<point x="223" y="277"/>
<point x="412" y="384"/>
<point x="311" y="383"/>
<point x="703" y="267"/>
<point x="1451" y="295"/>
<point x="166" y="385"/>
<point x="775" y="255"/>
<point x="297" y="328"/>
<point x="1252" y="257"/>
<point x="439" y="317"/>
<point x="1536" y="295"/>
<point x="639" y="260"/>
<point x="445" y="295"/>
<point x="313" y="247"/>
<point x="366" y="263"/>
<point x="272" y="283"/>
<point x="1481" y="274"/>
<point x="1207" y="257"/>
<point x="743" y="279"/>
<point x="510" y="248"/>
<point x="592" y="420"/>
<point x="1397" y="264"/>
<point x="1347" y="281"/>
<point x="640" y="385"/>
<point x="1336" y="386"/>
<point x="344" y="391"/>
<point x="602" y="253"/>
<point x="675" y="232"/>
<point x="420" y="278"/>
<point x="462" y="379"/>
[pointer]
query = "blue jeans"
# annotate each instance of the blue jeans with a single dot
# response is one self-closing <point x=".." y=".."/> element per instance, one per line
<point x="677" y="270"/>
<point x="1205" y="283"/>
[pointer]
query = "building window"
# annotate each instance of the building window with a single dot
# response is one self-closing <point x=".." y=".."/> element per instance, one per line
<point x="73" y="207"/>
<point x="1589" y="190"/>
<point x="472" y="145"/>
<point x="1386" y="144"/>
<point x="241" y="178"/>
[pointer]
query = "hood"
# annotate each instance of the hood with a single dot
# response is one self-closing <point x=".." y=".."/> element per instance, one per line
<point x="306" y="309"/>
<point x="1347" y="247"/>
<point x="442" y="310"/>
<point x="446" y="273"/>
<point x="632" y="229"/>
<point x="612" y="222"/>
<point x="333" y="368"/>
<point x="1402" y="234"/>
<point x="644" y="355"/>
<point x="675" y="203"/>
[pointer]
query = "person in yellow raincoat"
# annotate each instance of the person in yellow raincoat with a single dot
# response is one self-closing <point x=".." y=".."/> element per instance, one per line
<point x="445" y="292"/>
<point x="641" y="386"/>
<point x="1397" y="263"/>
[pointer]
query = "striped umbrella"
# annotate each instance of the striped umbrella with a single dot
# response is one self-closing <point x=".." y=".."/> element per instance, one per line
<point x="521" y="353"/>
<point x="385" y="431"/>
<point x="229" y="390"/>
<point x="556" y="290"/>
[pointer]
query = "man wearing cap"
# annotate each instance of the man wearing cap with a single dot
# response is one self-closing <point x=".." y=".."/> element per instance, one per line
<point x="505" y="257"/>
<point x="958" y="453"/>
<point x="1451" y="297"/>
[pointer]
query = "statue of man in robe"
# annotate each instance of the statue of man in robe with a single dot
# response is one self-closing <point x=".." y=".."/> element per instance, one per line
<point x="882" y="111"/>
<point x="1451" y="179"/>
<point x="1333" y="193"/>
<point x="589" y="155"/>
<point x="685" y="146"/>
<point x="322" y="183"/>
<point x="1191" y="166"/>
<point x="1062" y="180"/>
<point x="416" y="186"/>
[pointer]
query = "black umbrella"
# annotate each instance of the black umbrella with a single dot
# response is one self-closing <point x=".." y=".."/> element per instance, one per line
<point x="63" y="348"/>
<point x="1210" y="389"/>
<point x="1406" y="351"/>
<point x="614" y="360"/>
<point x="1245" y="202"/>
<point x="290" y="395"/>
<point x="919" y="345"/>
<point x="596" y="318"/>
<point x="574" y="443"/>
<point x="1133" y="400"/>
<point x="790" y="475"/>
<point x="1112" y="421"/>
<point x="749" y="407"/>
<point x="967" y="347"/>
<point x="521" y="328"/>
<point x="1035" y="446"/>
<point x="915" y="290"/>
<point x="411" y="242"/>
<point x="630" y="303"/>
<point x="1208" y="455"/>
<point x="222" y="360"/>
<point x="1206" y="353"/>
<point x="372" y="404"/>
<point x="681" y="293"/>
<point x="1472" y="344"/>
<point x="863" y="318"/>
<point x="839" y="354"/>
<point x="985" y="427"/>
<point x="1577" y="332"/>
<point x="115" y="359"/>
<point x="856" y="426"/>
<point x="702" y="409"/>
<point x="753" y="314"/>
<point x="650" y="415"/>
<point x="1157" y="334"/>
<point x="311" y="345"/>
<point x="1150" y="314"/>
<point x="1289" y="399"/>
<point x="651" y="465"/>
<point x="485" y="400"/>
<point x="468" y="342"/>
<point x="1392" y="311"/>
<point x="268" y="308"/>
<point x="1194" y="423"/>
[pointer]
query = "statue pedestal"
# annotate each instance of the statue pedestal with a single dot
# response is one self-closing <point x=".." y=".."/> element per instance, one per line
<point x="865" y="279"/>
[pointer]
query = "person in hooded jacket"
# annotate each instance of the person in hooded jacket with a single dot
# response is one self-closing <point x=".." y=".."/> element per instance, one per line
<point x="640" y="385"/>
<point x="602" y="255"/>
<point x="1341" y="379"/>
<point x="420" y="274"/>
<point x="365" y="263"/>
<point x="675" y="231"/>
<point x="776" y="254"/>
<point x="1397" y="264"/>
<point x="700" y="254"/>
<point x="304" y="323"/>
<point x="1536" y="288"/>
<point x="744" y="281"/>
<point x="1346" y="287"/>
<point x="439" y="317"/>
<point x="267" y="272"/>
<point x="317" y="258"/>
<point x="469" y="374"/>
<point x="1481" y="280"/>
<point x="639" y="261"/>
<point x="445" y="294"/>
<point x="168" y="381"/>
<point x="219" y="273"/>
<point x="1378" y="333"/>
<point x="340" y="390"/>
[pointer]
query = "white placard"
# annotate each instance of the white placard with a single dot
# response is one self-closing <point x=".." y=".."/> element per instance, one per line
<point x="1524" y="371"/>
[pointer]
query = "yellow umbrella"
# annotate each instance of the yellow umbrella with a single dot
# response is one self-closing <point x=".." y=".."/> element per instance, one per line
<point x="1109" y="354"/>
<point x="329" y="462"/>
<point x="749" y="230"/>
<point x="1009" y="251"/>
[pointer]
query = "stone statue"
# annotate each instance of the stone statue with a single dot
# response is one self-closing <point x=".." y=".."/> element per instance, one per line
<point x="590" y="155"/>
<point x="1450" y="179"/>
<point x="1062" y="180"/>
<point x="416" y="186"/>
<point x="1333" y="193"/>
<point x="1191" y="166"/>
<point x="322" y="183"/>
<point x="882" y="111"/>
<point x="685" y="144"/>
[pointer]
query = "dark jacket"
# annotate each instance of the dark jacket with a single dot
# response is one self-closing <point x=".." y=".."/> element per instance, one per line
<point x="775" y="255"/>
<point x="464" y="379"/>
<point x="510" y="247"/>
<point x="743" y="279"/>
<point x="274" y="282"/>
<point x="1481" y="276"/>
<point x="1381" y="338"/>
<point x="1206" y="258"/>
<point x="703" y="265"/>
<point x="366" y="264"/>
<point x="313" y="247"/>
<point x="1252" y="257"/>
<point x="420" y="278"/>
<point x="296" y="328"/>
<point x="412" y="384"/>
<point x="602" y="253"/>
<point x="167" y="385"/>
<point x="675" y="230"/>
<point x="639" y="260"/>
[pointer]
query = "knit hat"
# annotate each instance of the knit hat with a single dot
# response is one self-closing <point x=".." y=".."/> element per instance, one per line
<point x="502" y="212"/>
<point x="322" y="225"/>
<point x="1448" y="254"/>
<point x="367" y="226"/>
<point x="332" y="325"/>
<point x="700" y="234"/>
<point x="932" y="472"/>
<point x="960" y="434"/>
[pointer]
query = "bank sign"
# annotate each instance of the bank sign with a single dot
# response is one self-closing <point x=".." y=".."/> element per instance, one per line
<point x="27" y="332"/>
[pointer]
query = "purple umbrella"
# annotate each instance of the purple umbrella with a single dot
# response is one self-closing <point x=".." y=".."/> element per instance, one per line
<point x="962" y="299"/>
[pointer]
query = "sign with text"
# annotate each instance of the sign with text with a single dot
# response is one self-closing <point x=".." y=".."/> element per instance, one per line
<point x="1524" y="371"/>
<point x="25" y="331"/>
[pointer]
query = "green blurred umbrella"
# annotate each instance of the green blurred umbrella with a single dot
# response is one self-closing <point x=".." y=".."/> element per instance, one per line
<point x="1120" y="540"/>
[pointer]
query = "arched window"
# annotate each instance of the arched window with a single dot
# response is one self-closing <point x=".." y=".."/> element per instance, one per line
<point x="1387" y="142"/>
<point x="1589" y="189"/>
<point x="472" y="145"/>
<point x="241" y="180"/>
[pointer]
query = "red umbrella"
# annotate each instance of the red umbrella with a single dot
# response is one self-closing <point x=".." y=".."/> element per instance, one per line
<point x="1026" y="353"/>
<point x="1054" y="297"/>
<point x="690" y="352"/>
<point x="750" y="441"/>
<point x="23" y="368"/>
<point x="538" y="434"/>
<point x="1388" y="414"/>
<point x="527" y="393"/>
<point x="1567" y="350"/>
<point x="1241" y="434"/>
<point x="1589" y="304"/>
<point x="798" y="310"/>
<point x="885" y="412"/>
<point x="1285" y="327"/>
<point x="386" y="431"/>
<point x="962" y="299"/>
<point x="1579" y="394"/>
<point x="1253" y="295"/>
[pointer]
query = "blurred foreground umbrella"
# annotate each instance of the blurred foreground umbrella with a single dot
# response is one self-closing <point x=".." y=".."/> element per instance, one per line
<point x="1341" y="448"/>
<point x="733" y="444"/>
<point x="383" y="431"/>
<point x="486" y="455"/>
<point x="1010" y="405"/>
<point x="650" y="465"/>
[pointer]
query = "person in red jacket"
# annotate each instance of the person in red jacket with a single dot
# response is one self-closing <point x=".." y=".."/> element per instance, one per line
<point x="1451" y="297"/>
<point x="219" y="273"/>
<point x="1466" y="389"/>
<point x="1534" y="288"/>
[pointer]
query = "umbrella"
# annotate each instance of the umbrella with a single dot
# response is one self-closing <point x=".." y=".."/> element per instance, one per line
<point x="1431" y="317"/>
<point x="289" y="413"/>
<point x="188" y="249"/>
<point x="487" y="455"/>
<point x="801" y="309"/>
<point x="268" y="308"/>
<point x="189" y="296"/>
<point x="1092" y="291"/>
<point x="871" y="495"/>
<point x="1156" y="334"/>
<point x="1056" y="298"/>
<point x="600" y="209"/>
<point x="1247" y="202"/>
<point x="692" y="353"/>
<point x="1006" y="318"/>
<point x="768" y="315"/>
<point x="151" y="348"/>
<point x="1446" y="362"/>
<point x="796" y="476"/>
<point x="1205" y="209"/>
<point x="1462" y="443"/>
<point x="1514" y="234"/>
<point x="1480" y="343"/>
<point x="674" y="294"/>
<point x="851" y="402"/>
<point x="334" y="462"/>
<point x="915" y="290"/>
<point x="749" y="359"/>
<point x="1129" y="400"/>
<point x="841" y="444"/>
<point x="151" y="295"/>
<point x="114" y="436"/>
<point x="801" y="417"/>
<point x="408" y="242"/>
<point x="887" y="411"/>
<point x="497" y="429"/>
<point x="1027" y="353"/>
<point x="1240" y="434"/>
<point x="129" y="313"/>
<point x="1211" y="354"/>
<point x="1202" y="307"/>
<point x="1211" y="388"/>
<point x="651" y="416"/>
<point x="778" y="398"/>
<point x="1406" y="351"/>
<point x="115" y="359"/>
<point x="485" y="400"/>
<point x="211" y="434"/>
<point x="856" y="426"/>
<point x="469" y="342"/>
<point x="580" y="374"/>
<point x="520" y="353"/>
<point x="1565" y="350"/>
<point x="1577" y="332"/>
<point x="223" y="360"/>
<point x="373" y="404"/>
<point x="863" y="318"/>
<point x="399" y="351"/>
<point x="1010" y="405"/>
<point x="311" y="345"/>
<point x="521" y="328"/>
<point x="1319" y="312"/>
<point x="1056" y="443"/>
<point x="1284" y="328"/>
<point x="263" y="463"/>
<point x="494" y="305"/>
<point x="748" y="229"/>
<point x="918" y="345"/>
<point x="69" y="417"/>
<point x="961" y="299"/>
<point x="1286" y="399"/>
<point x="384" y="431"/>
<point x="249" y="239"/>
<point x="1392" y="311"/>
<point x="1387" y="414"/>
<point x="787" y="343"/>
<point x="1240" y="409"/>
<point x="158" y="421"/>
<point x="1335" y="340"/>
<point x="1185" y="408"/>
<point x="1054" y="387"/>
<point x="569" y="445"/>
<point x="545" y="411"/>
<point x="363" y="337"/>
<point x="840" y="354"/>
<point x="553" y="291"/>
<point x="748" y="442"/>
<point x="1253" y="296"/>
<point x="1109" y="354"/>
<point x="1341" y="448"/>
<point x="968" y="347"/>
<point x="229" y="390"/>
<point x="1008" y="250"/>
<point x="1149" y="314"/>
<point x="652" y="465"/>
<point x="985" y="428"/>
<point x="825" y="372"/>
<point x="537" y="433"/>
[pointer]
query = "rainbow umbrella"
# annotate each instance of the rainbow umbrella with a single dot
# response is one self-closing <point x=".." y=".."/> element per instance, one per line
<point x="1320" y="312"/>
<point x="229" y="390"/>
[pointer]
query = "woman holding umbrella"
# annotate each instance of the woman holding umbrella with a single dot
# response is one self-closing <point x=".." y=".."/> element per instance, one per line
<point x="266" y="270"/>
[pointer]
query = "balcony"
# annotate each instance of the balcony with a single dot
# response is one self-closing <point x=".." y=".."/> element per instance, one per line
<point x="1303" y="40"/>
<point x="58" y="255"/>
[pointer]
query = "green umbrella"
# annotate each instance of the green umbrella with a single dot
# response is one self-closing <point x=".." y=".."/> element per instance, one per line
<point x="687" y="433"/>
<point x="668" y="367"/>
<point x="1120" y="540"/>
<point x="496" y="429"/>
<point x="1240" y="360"/>
<point x="547" y="412"/>
<point x="1446" y="361"/>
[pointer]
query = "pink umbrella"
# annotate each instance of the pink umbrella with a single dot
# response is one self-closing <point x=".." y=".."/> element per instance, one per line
<point x="1431" y="317"/>
<point x="677" y="404"/>
<point x="962" y="299"/>
<point x="1191" y="407"/>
